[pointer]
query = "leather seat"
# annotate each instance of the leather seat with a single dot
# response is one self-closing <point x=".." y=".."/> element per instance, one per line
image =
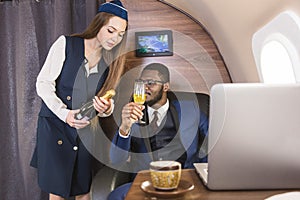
<point x="107" y="178"/>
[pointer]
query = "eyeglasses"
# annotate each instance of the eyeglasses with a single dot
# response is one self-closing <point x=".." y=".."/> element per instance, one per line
<point x="151" y="83"/>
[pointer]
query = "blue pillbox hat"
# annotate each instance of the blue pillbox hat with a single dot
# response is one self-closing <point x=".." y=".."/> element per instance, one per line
<point x="115" y="8"/>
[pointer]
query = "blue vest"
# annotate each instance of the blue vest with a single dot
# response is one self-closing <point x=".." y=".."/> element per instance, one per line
<point x="166" y="143"/>
<point x="72" y="86"/>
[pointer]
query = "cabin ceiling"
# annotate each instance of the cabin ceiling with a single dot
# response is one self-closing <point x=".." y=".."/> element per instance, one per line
<point x="231" y="24"/>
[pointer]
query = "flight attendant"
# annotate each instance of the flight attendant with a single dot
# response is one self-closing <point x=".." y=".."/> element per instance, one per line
<point x="94" y="60"/>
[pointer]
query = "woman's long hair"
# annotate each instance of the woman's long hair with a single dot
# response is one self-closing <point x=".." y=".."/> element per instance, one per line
<point x="115" y="58"/>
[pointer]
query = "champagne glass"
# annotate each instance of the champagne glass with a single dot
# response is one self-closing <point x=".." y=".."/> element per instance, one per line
<point x="139" y="95"/>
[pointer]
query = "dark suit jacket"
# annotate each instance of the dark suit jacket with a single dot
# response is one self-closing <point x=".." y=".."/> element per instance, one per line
<point x="192" y="128"/>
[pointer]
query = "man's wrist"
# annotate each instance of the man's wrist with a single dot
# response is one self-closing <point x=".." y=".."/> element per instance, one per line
<point x="124" y="133"/>
<point x="124" y="130"/>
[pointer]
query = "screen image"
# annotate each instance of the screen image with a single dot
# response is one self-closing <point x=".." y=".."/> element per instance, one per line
<point x="154" y="43"/>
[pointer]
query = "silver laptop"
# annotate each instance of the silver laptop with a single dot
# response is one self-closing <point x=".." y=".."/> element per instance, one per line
<point x="254" y="137"/>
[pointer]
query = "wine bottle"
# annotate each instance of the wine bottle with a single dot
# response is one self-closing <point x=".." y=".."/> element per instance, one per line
<point x="87" y="111"/>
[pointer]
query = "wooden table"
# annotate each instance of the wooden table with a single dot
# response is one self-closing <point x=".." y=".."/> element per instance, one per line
<point x="200" y="192"/>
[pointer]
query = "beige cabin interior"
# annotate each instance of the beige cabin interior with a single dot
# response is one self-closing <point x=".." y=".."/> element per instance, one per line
<point x="224" y="29"/>
<point x="212" y="41"/>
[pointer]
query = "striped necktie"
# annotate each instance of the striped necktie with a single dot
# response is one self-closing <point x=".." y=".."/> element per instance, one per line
<point x="153" y="123"/>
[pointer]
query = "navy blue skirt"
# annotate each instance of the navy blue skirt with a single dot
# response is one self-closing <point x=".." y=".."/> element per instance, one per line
<point x="65" y="166"/>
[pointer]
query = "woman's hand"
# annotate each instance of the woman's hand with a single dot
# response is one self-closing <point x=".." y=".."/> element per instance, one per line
<point x="102" y="105"/>
<point x="75" y="123"/>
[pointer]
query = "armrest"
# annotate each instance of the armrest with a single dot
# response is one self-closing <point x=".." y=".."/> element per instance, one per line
<point x="106" y="180"/>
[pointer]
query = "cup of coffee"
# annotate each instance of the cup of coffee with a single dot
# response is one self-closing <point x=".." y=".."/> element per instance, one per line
<point x="165" y="175"/>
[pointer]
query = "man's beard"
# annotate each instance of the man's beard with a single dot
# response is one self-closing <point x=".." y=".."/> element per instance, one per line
<point x="156" y="99"/>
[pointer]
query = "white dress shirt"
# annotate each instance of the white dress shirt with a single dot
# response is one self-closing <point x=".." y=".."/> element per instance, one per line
<point x="161" y="113"/>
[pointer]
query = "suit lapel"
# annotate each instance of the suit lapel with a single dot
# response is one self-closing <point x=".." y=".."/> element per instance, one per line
<point x="144" y="130"/>
<point x="175" y="115"/>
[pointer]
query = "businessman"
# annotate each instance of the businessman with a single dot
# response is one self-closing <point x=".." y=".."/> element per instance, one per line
<point x="175" y="132"/>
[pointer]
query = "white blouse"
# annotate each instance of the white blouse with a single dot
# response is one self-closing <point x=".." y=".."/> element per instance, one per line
<point x="45" y="84"/>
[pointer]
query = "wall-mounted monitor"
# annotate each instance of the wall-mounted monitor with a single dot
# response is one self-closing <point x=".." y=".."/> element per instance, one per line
<point x="154" y="43"/>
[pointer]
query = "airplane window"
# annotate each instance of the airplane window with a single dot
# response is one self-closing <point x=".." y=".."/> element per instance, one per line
<point x="276" y="49"/>
<point x="276" y="65"/>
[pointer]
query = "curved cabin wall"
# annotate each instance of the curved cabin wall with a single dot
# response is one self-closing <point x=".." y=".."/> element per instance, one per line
<point x="232" y="24"/>
<point x="196" y="64"/>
